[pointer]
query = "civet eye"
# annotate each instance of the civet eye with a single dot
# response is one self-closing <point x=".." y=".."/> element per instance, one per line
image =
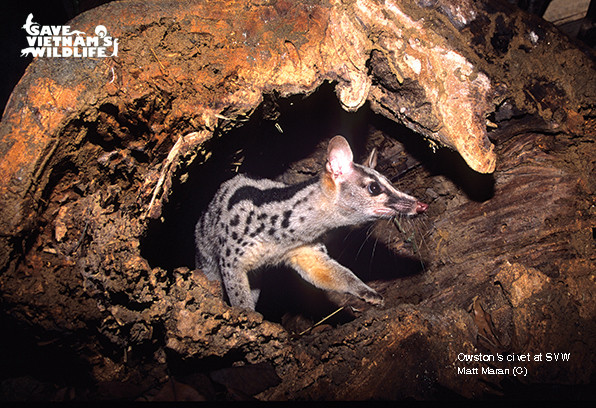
<point x="374" y="188"/>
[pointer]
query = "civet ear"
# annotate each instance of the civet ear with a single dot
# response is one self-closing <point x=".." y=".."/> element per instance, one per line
<point x="371" y="161"/>
<point x="339" y="158"/>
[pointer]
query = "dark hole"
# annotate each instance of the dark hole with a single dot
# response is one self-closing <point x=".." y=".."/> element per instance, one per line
<point x="263" y="151"/>
<point x="259" y="148"/>
<point x="442" y="161"/>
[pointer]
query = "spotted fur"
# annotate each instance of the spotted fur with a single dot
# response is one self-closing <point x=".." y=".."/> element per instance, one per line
<point x="254" y="222"/>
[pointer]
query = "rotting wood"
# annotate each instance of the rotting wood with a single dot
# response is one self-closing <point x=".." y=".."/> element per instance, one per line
<point x="200" y="66"/>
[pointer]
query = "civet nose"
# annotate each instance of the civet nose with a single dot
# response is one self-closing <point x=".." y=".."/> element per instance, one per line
<point x="421" y="207"/>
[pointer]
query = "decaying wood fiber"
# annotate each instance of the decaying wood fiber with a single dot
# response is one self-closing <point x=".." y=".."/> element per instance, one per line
<point x="90" y="150"/>
<point x="186" y="68"/>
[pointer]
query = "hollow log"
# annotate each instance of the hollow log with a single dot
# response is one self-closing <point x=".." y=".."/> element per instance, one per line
<point x="99" y="154"/>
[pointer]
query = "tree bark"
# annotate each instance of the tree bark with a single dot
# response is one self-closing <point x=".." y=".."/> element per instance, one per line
<point x="93" y="149"/>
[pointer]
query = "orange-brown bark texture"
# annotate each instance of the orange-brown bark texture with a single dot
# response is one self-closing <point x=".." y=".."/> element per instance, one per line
<point x="107" y="163"/>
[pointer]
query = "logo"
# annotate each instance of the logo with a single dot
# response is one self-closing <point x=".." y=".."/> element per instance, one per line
<point x="59" y="41"/>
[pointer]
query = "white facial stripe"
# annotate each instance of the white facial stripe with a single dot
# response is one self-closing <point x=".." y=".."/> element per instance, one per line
<point x="373" y="175"/>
